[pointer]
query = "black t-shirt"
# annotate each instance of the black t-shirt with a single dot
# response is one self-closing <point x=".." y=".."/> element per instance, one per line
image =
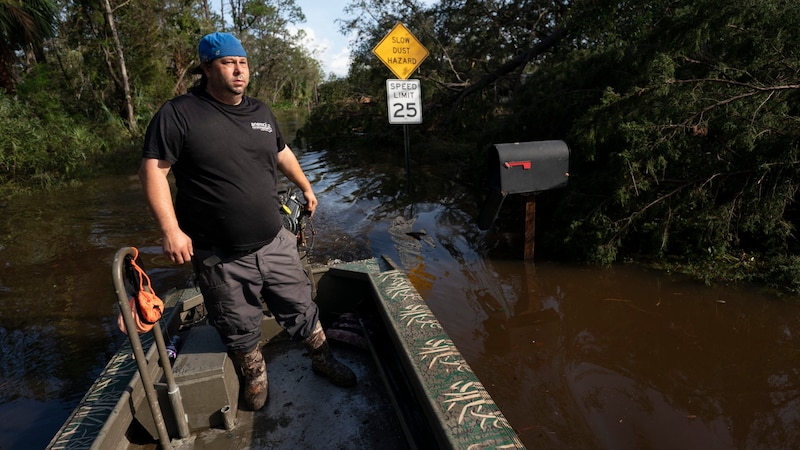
<point x="224" y="161"/>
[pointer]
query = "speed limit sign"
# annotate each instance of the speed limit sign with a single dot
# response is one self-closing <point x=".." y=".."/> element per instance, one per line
<point x="404" y="99"/>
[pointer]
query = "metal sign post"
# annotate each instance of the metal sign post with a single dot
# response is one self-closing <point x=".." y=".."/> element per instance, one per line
<point x="404" y="100"/>
<point x="402" y="53"/>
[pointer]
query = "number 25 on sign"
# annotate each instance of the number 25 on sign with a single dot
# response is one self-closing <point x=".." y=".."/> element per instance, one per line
<point x="404" y="98"/>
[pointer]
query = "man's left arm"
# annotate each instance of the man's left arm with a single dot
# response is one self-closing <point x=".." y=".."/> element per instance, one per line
<point x="288" y="165"/>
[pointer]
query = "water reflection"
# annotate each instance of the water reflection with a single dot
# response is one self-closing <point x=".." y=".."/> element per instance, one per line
<point x="575" y="357"/>
<point x="582" y="357"/>
<point x="627" y="359"/>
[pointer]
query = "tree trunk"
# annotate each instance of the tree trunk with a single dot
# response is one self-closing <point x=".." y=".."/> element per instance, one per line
<point x="126" y="87"/>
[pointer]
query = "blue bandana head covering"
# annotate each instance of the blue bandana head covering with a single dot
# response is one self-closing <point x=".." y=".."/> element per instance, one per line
<point x="218" y="45"/>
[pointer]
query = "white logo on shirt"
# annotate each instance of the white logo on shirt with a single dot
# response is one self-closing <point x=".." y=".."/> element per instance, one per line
<point x="261" y="126"/>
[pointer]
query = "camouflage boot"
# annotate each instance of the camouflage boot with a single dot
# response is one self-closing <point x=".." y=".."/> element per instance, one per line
<point x="323" y="362"/>
<point x="253" y="370"/>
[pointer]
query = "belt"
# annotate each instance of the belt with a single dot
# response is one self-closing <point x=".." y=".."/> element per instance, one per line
<point x="218" y="256"/>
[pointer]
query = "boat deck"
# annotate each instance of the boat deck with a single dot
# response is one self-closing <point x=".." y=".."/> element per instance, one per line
<point x="415" y="389"/>
<point x="304" y="409"/>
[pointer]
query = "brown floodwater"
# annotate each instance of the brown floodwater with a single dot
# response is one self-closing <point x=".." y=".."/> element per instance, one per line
<point x="576" y="357"/>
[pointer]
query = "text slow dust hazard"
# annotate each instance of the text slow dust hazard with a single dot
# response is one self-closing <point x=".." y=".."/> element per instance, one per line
<point x="400" y="51"/>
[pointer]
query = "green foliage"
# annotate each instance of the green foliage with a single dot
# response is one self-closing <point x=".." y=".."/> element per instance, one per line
<point x="23" y="28"/>
<point x="682" y="117"/>
<point x="282" y="70"/>
<point x="69" y="116"/>
<point x="783" y="273"/>
<point x="684" y="138"/>
<point x="46" y="149"/>
<point x="26" y="23"/>
<point x="348" y="109"/>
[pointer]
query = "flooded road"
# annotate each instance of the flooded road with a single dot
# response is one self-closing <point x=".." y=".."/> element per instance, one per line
<point x="576" y="357"/>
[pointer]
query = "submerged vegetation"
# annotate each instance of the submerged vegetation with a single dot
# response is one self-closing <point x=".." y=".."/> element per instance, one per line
<point x="682" y="117"/>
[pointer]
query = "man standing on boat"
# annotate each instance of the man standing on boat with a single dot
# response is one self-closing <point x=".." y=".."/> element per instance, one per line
<point x="224" y="149"/>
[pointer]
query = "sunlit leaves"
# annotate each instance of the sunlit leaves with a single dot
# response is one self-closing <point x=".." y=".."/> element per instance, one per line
<point x="697" y="141"/>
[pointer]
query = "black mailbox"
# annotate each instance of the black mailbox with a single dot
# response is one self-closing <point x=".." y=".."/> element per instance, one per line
<point x="524" y="167"/>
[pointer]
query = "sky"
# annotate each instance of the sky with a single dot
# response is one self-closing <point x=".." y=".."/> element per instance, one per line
<point x="323" y="33"/>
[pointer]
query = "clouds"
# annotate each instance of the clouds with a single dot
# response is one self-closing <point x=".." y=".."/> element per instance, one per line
<point x="322" y="34"/>
<point x="331" y="50"/>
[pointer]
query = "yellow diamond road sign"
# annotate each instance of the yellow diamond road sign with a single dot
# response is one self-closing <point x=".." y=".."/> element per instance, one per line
<point x="400" y="51"/>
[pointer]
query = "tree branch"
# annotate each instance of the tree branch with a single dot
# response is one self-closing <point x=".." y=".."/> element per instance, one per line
<point x="520" y="60"/>
<point x="754" y="90"/>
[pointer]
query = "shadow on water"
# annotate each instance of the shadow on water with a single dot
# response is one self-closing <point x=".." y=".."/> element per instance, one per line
<point x="575" y="357"/>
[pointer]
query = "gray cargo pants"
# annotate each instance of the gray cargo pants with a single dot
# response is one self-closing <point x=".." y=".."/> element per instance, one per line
<point x="233" y="287"/>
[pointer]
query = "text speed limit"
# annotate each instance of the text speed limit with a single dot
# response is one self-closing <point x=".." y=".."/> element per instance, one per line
<point x="404" y="99"/>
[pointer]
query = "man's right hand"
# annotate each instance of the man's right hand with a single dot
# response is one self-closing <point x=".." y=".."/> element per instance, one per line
<point x="177" y="247"/>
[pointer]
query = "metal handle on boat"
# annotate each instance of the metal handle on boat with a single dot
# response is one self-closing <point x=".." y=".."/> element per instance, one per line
<point x="173" y="391"/>
<point x="117" y="274"/>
